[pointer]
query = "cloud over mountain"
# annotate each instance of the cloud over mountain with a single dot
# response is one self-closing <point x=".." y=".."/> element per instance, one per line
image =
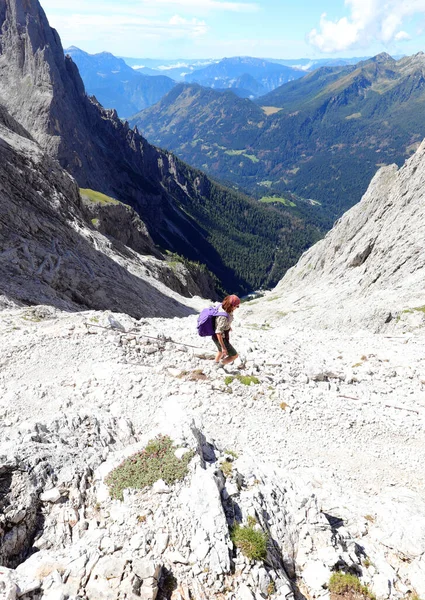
<point x="369" y="20"/>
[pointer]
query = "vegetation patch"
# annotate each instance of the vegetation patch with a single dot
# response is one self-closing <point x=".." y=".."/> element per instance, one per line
<point x="281" y="199"/>
<point x="251" y="542"/>
<point x="251" y="157"/>
<point x="244" y="379"/>
<point x="156" y="461"/>
<point x="248" y="379"/>
<point x="348" y="586"/>
<point x="271" y="588"/>
<point x="97" y="197"/>
<point x="232" y="453"/>
<point x="227" y="468"/>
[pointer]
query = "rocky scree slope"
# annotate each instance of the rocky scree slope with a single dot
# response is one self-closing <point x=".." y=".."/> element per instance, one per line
<point x="181" y="207"/>
<point x="369" y="271"/>
<point x="324" y="454"/>
<point x="51" y="253"/>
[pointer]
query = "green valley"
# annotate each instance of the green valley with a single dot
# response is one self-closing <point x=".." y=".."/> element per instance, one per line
<point x="322" y="137"/>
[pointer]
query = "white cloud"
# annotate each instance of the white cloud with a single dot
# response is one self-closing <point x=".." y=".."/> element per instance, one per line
<point x="113" y="27"/>
<point x="369" y="20"/>
<point x="402" y="36"/>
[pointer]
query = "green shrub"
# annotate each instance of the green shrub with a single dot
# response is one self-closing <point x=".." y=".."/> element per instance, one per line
<point x="248" y="379"/>
<point x="227" y="468"/>
<point x="156" y="461"/>
<point x="232" y="453"/>
<point x="252" y="543"/>
<point x="244" y="379"/>
<point x="343" y="583"/>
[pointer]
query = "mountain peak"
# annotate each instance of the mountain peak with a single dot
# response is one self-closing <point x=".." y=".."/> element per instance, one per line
<point x="381" y="58"/>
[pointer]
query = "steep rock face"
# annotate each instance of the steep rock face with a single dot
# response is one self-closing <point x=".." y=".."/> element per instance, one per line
<point x="370" y="267"/>
<point x="48" y="253"/>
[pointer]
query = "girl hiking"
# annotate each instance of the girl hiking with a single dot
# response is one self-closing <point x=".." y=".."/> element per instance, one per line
<point x="223" y="326"/>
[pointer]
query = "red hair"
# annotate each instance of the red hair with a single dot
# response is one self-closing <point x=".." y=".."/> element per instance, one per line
<point x="230" y="303"/>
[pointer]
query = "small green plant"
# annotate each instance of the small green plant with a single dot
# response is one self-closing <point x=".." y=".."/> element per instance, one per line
<point x="244" y="379"/>
<point x="367" y="562"/>
<point x="271" y="588"/>
<point x="283" y="405"/>
<point x="252" y="543"/>
<point x="370" y="518"/>
<point x="156" y="461"/>
<point x="251" y="521"/>
<point x="346" y="583"/>
<point x="248" y="379"/>
<point x="227" y="468"/>
<point x="232" y="453"/>
<point x="94" y="319"/>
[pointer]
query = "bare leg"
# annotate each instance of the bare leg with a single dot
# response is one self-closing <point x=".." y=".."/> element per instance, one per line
<point x="218" y="356"/>
<point x="229" y="359"/>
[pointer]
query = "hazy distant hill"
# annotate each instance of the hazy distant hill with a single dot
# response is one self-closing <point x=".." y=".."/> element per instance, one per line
<point x="115" y="84"/>
<point x="253" y="74"/>
<point x="322" y="136"/>
<point x="176" y="68"/>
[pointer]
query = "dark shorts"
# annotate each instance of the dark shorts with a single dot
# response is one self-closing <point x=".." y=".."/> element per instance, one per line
<point x="229" y="348"/>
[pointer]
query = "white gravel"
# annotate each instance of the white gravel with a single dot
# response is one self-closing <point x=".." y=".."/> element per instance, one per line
<point x="348" y="411"/>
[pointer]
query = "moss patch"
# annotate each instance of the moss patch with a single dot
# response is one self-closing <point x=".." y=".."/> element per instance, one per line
<point x="252" y="543"/>
<point x="96" y="197"/>
<point x="156" y="461"/>
<point x="348" y="587"/>
<point x="244" y="379"/>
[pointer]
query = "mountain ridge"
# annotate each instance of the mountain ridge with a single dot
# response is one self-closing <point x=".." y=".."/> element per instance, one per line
<point x="321" y="137"/>
<point x="115" y="84"/>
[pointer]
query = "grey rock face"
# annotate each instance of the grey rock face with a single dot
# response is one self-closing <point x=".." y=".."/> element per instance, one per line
<point x="369" y="271"/>
<point x="49" y="254"/>
<point x="44" y="92"/>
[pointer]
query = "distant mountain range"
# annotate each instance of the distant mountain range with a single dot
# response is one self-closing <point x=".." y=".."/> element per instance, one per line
<point x="181" y="68"/>
<point x="322" y="136"/>
<point x="130" y="85"/>
<point x="252" y="75"/>
<point x="116" y="85"/>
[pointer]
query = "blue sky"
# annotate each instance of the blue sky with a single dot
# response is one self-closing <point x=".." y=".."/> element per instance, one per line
<point x="218" y="28"/>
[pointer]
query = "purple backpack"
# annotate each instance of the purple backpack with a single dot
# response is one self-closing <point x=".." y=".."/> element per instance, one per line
<point x="206" y="320"/>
